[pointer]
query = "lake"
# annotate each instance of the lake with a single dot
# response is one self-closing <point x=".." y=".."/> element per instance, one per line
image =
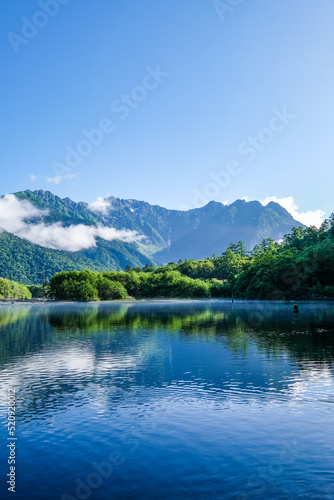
<point x="169" y="400"/>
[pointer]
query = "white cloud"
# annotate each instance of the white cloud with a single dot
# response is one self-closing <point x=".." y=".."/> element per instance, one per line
<point x="99" y="205"/>
<point x="75" y="237"/>
<point x="60" y="178"/>
<point x="15" y="213"/>
<point x="33" y="177"/>
<point x="54" y="180"/>
<point x="310" y="218"/>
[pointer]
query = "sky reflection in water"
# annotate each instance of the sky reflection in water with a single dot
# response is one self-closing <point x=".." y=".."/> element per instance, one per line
<point x="188" y="399"/>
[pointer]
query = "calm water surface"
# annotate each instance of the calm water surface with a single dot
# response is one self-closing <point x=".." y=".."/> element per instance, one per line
<point x="169" y="400"/>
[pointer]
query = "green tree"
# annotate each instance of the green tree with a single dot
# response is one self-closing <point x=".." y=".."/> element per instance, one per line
<point x="110" y="290"/>
<point x="6" y="288"/>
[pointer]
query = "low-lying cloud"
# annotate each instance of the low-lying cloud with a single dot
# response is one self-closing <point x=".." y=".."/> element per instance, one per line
<point x="309" y="218"/>
<point x="15" y="213"/>
<point x="19" y="217"/>
<point x="100" y="205"/>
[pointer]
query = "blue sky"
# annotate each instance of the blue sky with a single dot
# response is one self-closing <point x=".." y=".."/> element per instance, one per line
<point x="195" y="100"/>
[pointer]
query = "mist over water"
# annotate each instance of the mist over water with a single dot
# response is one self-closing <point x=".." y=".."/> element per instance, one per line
<point x="170" y="400"/>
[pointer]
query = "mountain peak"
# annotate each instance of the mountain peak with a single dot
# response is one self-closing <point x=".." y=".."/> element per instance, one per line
<point x="168" y="235"/>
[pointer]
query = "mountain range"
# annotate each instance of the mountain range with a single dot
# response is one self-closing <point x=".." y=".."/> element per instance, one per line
<point x="158" y="235"/>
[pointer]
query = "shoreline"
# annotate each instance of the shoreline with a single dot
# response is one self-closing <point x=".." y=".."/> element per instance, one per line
<point x="16" y="302"/>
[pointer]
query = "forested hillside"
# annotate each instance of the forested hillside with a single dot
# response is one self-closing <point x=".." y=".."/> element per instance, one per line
<point x="163" y="235"/>
<point x="300" y="267"/>
<point x="22" y="261"/>
<point x="25" y="262"/>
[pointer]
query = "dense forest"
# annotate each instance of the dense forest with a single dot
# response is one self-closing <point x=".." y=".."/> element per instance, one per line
<point x="25" y="262"/>
<point x="12" y="290"/>
<point x="301" y="266"/>
<point x="165" y="235"/>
